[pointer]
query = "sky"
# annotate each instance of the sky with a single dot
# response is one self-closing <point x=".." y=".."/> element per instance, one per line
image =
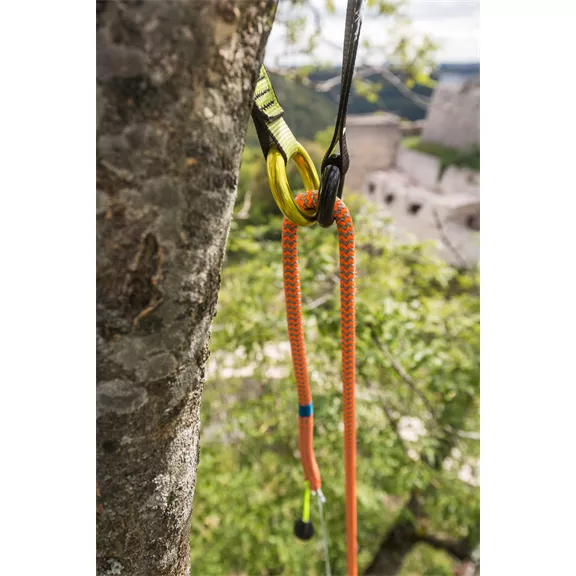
<point x="454" y="25"/>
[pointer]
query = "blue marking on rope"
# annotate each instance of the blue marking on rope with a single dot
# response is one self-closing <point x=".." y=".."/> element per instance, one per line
<point x="305" y="411"/>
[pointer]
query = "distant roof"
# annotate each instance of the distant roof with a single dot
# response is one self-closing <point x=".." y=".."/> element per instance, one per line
<point x="372" y="119"/>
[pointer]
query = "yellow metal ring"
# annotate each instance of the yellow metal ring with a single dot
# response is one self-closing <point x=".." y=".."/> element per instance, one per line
<point x="278" y="180"/>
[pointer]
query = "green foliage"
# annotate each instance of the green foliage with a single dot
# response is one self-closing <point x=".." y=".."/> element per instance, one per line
<point x="324" y="137"/>
<point x="416" y="61"/>
<point x="368" y="90"/>
<point x="448" y="156"/>
<point x="384" y="6"/>
<point x="425" y="561"/>
<point x="412" y="310"/>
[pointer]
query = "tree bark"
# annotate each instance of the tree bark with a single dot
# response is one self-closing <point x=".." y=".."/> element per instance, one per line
<point x="174" y="87"/>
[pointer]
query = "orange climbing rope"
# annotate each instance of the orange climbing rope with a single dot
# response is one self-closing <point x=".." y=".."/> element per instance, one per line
<point x="308" y="201"/>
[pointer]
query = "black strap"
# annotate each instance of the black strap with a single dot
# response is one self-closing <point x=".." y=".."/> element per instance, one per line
<point x="335" y="165"/>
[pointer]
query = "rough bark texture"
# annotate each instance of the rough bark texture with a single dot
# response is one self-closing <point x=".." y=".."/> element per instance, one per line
<point x="174" y="86"/>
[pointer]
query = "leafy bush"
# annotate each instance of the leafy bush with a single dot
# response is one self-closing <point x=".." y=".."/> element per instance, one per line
<point x="417" y="357"/>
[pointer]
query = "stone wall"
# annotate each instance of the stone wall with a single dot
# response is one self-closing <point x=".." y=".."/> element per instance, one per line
<point x="453" y="117"/>
<point x="452" y="221"/>
<point x="422" y="167"/>
<point x="373" y="140"/>
<point x="425" y="169"/>
<point x="457" y="180"/>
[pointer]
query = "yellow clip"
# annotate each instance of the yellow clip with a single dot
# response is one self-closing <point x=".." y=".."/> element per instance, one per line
<point x="280" y="188"/>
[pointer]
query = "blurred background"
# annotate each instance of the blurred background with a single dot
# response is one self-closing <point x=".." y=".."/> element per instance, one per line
<point x="413" y="190"/>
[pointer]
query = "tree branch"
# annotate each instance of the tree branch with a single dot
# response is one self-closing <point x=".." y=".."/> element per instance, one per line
<point x="460" y="549"/>
<point x="319" y="301"/>
<point x="401" y="371"/>
<point x="397" y="543"/>
<point x="468" y="435"/>
<point x="384" y="71"/>
<point x="404" y="375"/>
<point x="245" y="210"/>
<point x="463" y="262"/>
<point x="393" y="421"/>
<point x="388" y="75"/>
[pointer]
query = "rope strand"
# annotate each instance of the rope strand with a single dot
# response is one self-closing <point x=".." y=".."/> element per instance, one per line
<point x="308" y="201"/>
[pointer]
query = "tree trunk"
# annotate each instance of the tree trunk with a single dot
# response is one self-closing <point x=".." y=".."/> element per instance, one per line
<point x="174" y="87"/>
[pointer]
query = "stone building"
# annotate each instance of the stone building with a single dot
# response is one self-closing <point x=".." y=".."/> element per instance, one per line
<point x="423" y="201"/>
<point x="453" y="117"/>
<point x="373" y="140"/>
<point x="423" y="214"/>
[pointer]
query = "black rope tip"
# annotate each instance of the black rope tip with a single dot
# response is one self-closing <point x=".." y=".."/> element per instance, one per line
<point x="303" y="530"/>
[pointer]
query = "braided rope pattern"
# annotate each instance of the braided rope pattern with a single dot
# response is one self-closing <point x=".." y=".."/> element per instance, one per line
<point x="292" y="293"/>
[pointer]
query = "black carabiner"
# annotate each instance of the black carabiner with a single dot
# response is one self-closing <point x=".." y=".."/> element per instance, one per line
<point x="331" y="184"/>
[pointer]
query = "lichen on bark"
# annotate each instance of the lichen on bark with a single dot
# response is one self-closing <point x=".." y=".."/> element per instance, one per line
<point x="174" y="87"/>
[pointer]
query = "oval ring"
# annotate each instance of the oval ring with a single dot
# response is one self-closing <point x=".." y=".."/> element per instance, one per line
<point x="278" y="180"/>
